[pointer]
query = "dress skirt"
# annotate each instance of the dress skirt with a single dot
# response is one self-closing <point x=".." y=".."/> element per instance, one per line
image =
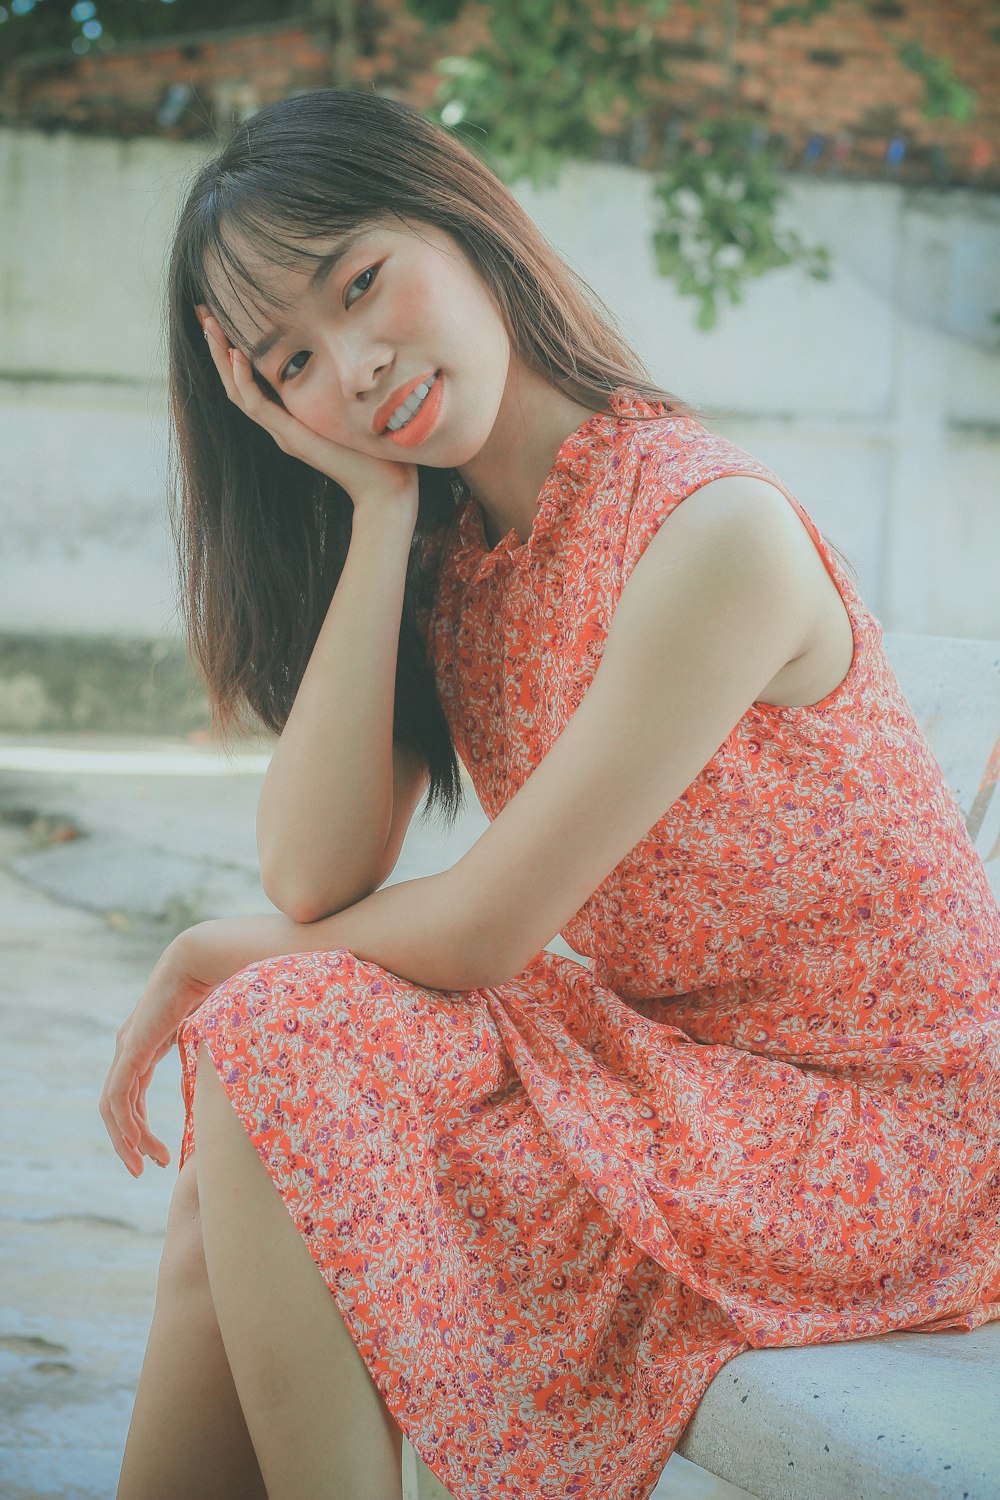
<point x="548" y="1217"/>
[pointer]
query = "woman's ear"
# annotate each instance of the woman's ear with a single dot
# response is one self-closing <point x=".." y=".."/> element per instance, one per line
<point x="201" y="312"/>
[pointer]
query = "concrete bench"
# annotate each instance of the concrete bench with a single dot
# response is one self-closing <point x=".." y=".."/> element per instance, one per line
<point x="905" y="1416"/>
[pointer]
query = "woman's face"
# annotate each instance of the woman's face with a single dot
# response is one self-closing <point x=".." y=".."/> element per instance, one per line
<point x="389" y="309"/>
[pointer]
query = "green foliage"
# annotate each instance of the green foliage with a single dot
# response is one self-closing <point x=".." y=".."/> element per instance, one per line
<point x="435" y="13"/>
<point x="806" y="12"/>
<point x="559" y="77"/>
<point x="562" y="76"/>
<point x="562" y="79"/>
<point x="944" y="94"/>
<point x="717" y="217"/>
<point x="556" y="74"/>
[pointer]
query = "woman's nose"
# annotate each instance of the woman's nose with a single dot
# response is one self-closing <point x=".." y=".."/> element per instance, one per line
<point x="360" y="366"/>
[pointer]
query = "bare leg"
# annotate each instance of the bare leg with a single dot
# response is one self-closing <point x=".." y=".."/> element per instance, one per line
<point x="319" y="1425"/>
<point x="187" y="1436"/>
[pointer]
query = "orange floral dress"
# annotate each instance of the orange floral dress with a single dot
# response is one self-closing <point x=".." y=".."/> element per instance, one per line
<point x="765" y="1111"/>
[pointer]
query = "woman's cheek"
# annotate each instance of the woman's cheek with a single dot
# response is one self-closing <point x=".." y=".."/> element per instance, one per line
<point x="323" y="416"/>
<point x="311" y="410"/>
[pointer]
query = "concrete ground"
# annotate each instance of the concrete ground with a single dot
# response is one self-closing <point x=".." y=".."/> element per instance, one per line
<point x="107" y="849"/>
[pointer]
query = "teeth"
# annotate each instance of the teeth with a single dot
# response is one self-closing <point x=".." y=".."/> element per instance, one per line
<point x="409" y="408"/>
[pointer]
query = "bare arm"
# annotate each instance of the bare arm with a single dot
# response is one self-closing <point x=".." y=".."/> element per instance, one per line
<point x="338" y="794"/>
<point x="722" y="598"/>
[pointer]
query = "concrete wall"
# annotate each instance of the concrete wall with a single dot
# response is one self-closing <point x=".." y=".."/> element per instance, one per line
<point x="875" y="397"/>
<point x="85" y="230"/>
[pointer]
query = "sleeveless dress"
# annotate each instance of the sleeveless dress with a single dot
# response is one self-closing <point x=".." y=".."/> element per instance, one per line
<point x="764" y="1111"/>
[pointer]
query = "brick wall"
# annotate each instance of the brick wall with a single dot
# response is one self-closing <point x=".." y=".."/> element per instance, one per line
<point x="832" y="92"/>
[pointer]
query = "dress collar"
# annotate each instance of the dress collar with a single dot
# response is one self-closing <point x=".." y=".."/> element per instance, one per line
<point x="577" y="464"/>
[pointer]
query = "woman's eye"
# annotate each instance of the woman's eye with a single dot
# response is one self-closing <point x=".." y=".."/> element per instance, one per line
<point x="293" y="366"/>
<point x="371" y="273"/>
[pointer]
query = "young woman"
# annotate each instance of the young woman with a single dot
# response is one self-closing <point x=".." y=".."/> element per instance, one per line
<point x="447" y="1183"/>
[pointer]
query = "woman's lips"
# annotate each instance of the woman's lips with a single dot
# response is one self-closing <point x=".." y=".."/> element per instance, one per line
<point x="420" y="427"/>
<point x="395" y="401"/>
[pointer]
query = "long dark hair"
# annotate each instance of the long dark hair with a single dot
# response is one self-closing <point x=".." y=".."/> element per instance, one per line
<point x="262" y="538"/>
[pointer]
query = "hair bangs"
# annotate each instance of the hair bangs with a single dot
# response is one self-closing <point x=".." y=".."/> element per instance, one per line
<point x="243" y="250"/>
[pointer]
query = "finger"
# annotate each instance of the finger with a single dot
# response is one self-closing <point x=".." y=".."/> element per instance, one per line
<point x="291" y="435"/>
<point x="154" y="1148"/>
<point x="116" y="1107"/>
<point x="255" y="402"/>
<point x="110" y="1073"/>
<point x="130" y="1155"/>
<point x="219" y="346"/>
<point x="236" y="374"/>
<point x="250" y="392"/>
<point x="116" y="1114"/>
<point x="149" y="1144"/>
<point x="122" y="1115"/>
<point x="221" y="351"/>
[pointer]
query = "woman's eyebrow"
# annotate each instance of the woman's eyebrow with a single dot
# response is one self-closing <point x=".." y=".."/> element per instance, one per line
<point x="325" y="266"/>
<point x="328" y="263"/>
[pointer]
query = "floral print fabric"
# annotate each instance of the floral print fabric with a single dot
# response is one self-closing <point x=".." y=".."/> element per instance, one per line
<point x="763" y="1111"/>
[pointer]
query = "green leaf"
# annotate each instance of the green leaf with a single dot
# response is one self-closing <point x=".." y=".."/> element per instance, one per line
<point x="944" y="94"/>
<point x="435" y="13"/>
<point x="805" y="12"/>
<point x="531" y="98"/>
<point x="708" y="314"/>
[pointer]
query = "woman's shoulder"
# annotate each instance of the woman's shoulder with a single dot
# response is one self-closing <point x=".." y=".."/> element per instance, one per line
<point x="672" y="458"/>
<point x="677" y="449"/>
<point x="662" y="457"/>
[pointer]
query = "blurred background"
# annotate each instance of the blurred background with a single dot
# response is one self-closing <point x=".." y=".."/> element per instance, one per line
<point x="794" y="210"/>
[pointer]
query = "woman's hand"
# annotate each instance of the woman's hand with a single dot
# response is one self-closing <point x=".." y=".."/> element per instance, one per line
<point x="173" y="991"/>
<point x="195" y="963"/>
<point x="366" y="480"/>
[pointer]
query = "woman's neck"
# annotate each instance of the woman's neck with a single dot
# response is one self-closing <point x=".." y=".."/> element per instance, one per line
<point x="509" y="471"/>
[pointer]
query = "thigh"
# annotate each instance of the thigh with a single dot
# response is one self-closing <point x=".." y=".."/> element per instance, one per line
<point x="184" y="1207"/>
<point x="182" y="1264"/>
